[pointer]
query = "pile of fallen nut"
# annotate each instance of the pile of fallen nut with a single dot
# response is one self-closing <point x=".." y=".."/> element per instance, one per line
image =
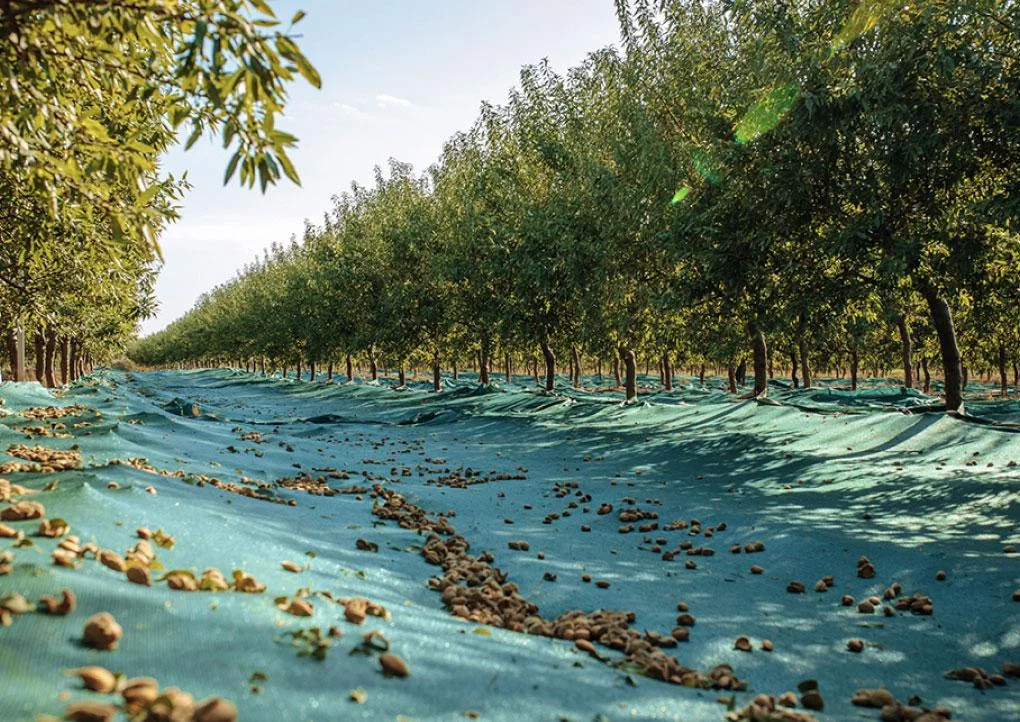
<point x="476" y="590"/>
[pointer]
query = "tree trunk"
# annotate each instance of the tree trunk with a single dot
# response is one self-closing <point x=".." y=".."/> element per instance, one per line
<point x="311" y="370"/>
<point x="456" y="371"/>
<point x="483" y="363"/>
<point x="534" y="368"/>
<point x="906" y="352"/>
<point x="51" y="349"/>
<point x="12" y="353"/>
<point x="805" y="368"/>
<point x="401" y="378"/>
<point x="616" y="371"/>
<point x="74" y="360"/>
<point x="952" y="368"/>
<point x="373" y="367"/>
<point x="40" y="357"/>
<point x="793" y="366"/>
<point x="64" y="353"/>
<point x="550" y="365"/>
<point x="701" y="375"/>
<point x="436" y="379"/>
<point x="1002" y="370"/>
<point x="760" y="355"/>
<point x="742" y="372"/>
<point x="667" y="372"/>
<point x="731" y="375"/>
<point x="575" y="370"/>
<point x="966" y="376"/>
<point x="598" y="369"/>
<point x="629" y="361"/>
<point x="508" y="367"/>
<point x="1016" y="374"/>
<point x="927" y="376"/>
<point x="854" y="365"/>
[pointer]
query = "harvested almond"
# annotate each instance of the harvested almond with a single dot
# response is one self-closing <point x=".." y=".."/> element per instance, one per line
<point x="65" y="605"/>
<point x="7" y="532"/>
<point x="181" y="581"/>
<point x="140" y="691"/>
<point x="743" y="644"/>
<point x="215" y="709"/>
<point x="298" y="607"/>
<point x="866" y="607"/>
<point x="757" y="570"/>
<point x="393" y="666"/>
<point x="23" y="511"/>
<point x="290" y="566"/>
<point x="138" y="574"/>
<point x="767" y="645"/>
<point x="878" y="698"/>
<point x="102" y="631"/>
<point x="143" y="532"/>
<point x="940" y="576"/>
<point x="112" y="560"/>
<point x="855" y="645"/>
<point x="95" y="678"/>
<point x="586" y="646"/>
<point x="358" y="696"/>
<point x="90" y="712"/>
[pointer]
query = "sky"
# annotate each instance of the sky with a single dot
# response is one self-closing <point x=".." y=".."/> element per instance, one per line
<point x="399" y="77"/>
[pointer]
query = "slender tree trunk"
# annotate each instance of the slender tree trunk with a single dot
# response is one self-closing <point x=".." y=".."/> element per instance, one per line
<point x="64" y="352"/>
<point x="436" y="379"/>
<point x="598" y="369"/>
<point x="731" y="376"/>
<point x="854" y="364"/>
<point x="793" y="367"/>
<point x="40" y="357"/>
<point x="906" y="352"/>
<point x="575" y="371"/>
<point x="952" y="368"/>
<point x="329" y="371"/>
<point x="760" y="355"/>
<point x="508" y="367"/>
<point x="629" y="361"/>
<point x="373" y="367"/>
<point x="667" y="372"/>
<point x="550" y="365"/>
<point x="12" y="354"/>
<point x="51" y="348"/>
<point x="1016" y="374"/>
<point x="966" y="375"/>
<point x="401" y="378"/>
<point x="701" y="375"/>
<point x="805" y="368"/>
<point x="1002" y="370"/>
<point x="616" y="371"/>
<point x="456" y="372"/>
<point x="742" y="372"/>
<point x="927" y="376"/>
<point x="311" y="370"/>
<point x="483" y="363"/>
<point x="534" y="368"/>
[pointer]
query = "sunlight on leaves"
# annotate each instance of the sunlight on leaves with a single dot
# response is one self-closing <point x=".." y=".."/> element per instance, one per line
<point x="680" y="195"/>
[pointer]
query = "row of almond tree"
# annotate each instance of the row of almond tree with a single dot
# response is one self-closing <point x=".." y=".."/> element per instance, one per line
<point x="771" y="184"/>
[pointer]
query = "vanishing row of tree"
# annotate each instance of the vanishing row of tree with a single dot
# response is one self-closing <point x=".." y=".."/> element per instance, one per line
<point x="764" y="183"/>
<point x="92" y="93"/>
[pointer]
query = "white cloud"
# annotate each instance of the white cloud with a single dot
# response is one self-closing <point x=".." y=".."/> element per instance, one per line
<point x="391" y="101"/>
<point x="351" y="111"/>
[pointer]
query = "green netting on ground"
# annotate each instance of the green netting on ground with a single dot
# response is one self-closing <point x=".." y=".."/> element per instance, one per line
<point x="823" y="477"/>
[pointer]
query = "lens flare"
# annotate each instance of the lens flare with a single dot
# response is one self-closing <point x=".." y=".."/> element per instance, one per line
<point x="680" y="195"/>
<point x="767" y="113"/>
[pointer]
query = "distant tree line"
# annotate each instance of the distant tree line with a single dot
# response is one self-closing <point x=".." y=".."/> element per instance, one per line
<point x="748" y="185"/>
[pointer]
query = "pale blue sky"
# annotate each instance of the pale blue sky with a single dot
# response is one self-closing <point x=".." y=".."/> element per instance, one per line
<point x="399" y="77"/>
